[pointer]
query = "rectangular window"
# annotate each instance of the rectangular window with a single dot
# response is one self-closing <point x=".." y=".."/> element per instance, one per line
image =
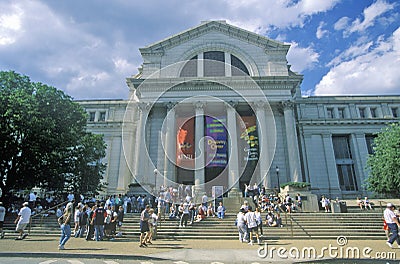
<point x="102" y="116"/>
<point x="344" y="163"/>
<point x="214" y="63"/>
<point x="340" y="112"/>
<point x="92" y="116"/>
<point x="329" y="112"/>
<point x="373" y="112"/>
<point x="346" y="177"/>
<point x="361" y="112"/>
<point x="394" y="112"/>
<point x="369" y="139"/>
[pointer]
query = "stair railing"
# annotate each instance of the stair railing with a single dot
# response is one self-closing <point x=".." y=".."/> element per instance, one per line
<point x="43" y="213"/>
<point x="289" y="217"/>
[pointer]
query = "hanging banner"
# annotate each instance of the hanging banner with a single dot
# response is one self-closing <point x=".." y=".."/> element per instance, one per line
<point x="185" y="151"/>
<point x="249" y="137"/>
<point x="216" y="145"/>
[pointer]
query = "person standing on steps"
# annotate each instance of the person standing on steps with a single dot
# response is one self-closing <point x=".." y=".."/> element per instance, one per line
<point x="2" y="215"/>
<point x="144" y="226"/>
<point x="252" y="225"/>
<point x="23" y="219"/>
<point x="393" y="225"/>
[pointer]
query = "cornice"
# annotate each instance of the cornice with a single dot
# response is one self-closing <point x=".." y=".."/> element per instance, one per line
<point x="219" y="26"/>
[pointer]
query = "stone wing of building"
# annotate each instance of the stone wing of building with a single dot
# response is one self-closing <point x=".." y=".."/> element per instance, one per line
<point x="216" y="107"/>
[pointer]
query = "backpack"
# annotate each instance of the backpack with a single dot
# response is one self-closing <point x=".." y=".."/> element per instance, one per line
<point x="108" y="218"/>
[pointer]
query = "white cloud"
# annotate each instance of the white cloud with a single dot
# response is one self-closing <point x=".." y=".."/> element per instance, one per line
<point x="66" y="54"/>
<point x="342" y="23"/>
<point x="320" y="31"/>
<point x="10" y="23"/>
<point x="301" y="58"/>
<point x="258" y="16"/>
<point x="350" y="53"/>
<point x="370" y="14"/>
<point x="373" y="72"/>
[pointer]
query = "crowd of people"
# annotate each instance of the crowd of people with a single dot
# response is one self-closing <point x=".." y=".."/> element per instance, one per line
<point x="102" y="219"/>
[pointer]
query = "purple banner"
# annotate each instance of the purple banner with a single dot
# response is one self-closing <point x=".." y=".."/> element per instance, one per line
<point x="216" y="145"/>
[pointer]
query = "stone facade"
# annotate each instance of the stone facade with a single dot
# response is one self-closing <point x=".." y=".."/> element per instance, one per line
<point x="321" y="140"/>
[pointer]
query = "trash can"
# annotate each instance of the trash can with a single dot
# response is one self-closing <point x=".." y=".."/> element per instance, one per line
<point x="338" y="207"/>
<point x="335" y="207"/>
<point x="343" y="207"/>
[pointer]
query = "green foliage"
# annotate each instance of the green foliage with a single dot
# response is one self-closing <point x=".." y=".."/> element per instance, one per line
<point x="384" y="163"/>
<point x="296" y="184"/>
<point x="39" y="126"/>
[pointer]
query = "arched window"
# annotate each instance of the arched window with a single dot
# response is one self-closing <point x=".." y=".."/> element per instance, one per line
<point x="212" y="68"/>
<point x="238" y="67"/>
<point x="190" y="68"/>
<point x="214" y="65"/>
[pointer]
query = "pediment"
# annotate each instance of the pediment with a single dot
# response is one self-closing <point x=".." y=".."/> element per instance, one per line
<point x="214" y="26"/>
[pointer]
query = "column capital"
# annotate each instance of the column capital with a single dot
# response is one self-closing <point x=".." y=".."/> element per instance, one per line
<point x="233" y="104"/>
<point x="259" y="105"/>
<point x="326" y="135"/>
<point x="287" y="105"/>
<point x="199" y="105"/>
<point x="170" y="105"/>
<point x="144" y="107"/>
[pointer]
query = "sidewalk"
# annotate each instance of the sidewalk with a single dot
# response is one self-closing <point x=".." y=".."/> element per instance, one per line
<point x="200" y="250"/>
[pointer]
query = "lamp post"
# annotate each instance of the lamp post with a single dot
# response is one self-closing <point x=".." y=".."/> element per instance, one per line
<point x="277" y="177"/>
<point x="155" y="181"/>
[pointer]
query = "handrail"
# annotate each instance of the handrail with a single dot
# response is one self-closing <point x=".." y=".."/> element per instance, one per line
<point x="43" y="213"/>
<point x="380" y="205"/>
<point x="291" y="222"/>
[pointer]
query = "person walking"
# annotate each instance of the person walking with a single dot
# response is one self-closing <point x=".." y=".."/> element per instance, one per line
<point x="2" y="216"/>
<point x="65" y="227"/>
<point x="23" y="219"/>
<point x="252" y="225"/>
<point x="241" y="225"/>
<point x="392" y="223"/>
<point x="144" y="226"/>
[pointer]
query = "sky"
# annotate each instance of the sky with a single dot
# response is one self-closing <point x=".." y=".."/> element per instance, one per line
<point x="88" y="48"/>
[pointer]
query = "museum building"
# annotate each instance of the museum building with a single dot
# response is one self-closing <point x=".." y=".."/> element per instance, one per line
<point x="217" y="105"/>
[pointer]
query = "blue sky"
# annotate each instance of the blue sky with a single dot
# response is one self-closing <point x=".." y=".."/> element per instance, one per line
<point x="88" y="48"/>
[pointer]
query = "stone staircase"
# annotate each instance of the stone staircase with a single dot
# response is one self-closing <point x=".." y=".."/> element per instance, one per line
<point x="357" y="225"/>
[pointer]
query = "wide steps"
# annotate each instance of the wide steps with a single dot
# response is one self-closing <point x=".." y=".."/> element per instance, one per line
<point x="304" y="226"/>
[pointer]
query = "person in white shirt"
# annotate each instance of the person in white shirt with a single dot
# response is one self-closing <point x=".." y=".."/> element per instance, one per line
<point x="252" y="226"/>
<point x="241" y="226"/>
<point x="2" y="215"/>
<point x="204" y="200"/>
<point x="393" y="223"/>
<point x="22" y="220"/>
<point x="185" y="215"/>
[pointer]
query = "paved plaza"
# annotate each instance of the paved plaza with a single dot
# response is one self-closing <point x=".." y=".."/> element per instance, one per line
<point x="201" y="251"/>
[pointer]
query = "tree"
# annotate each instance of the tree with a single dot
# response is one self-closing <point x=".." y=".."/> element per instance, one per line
<point x="86" y="167"/>
<point x="39" y="126"/>
<point x="384" y="163"/>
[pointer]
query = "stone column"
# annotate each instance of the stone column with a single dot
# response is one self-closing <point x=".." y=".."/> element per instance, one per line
<point x="200" y="65"/>
<point x="292" y="142"/>
<point x="170" y="145"/>
<point x="360" y="155"/>
<point x="140" y="151"/>
<point x="263" y="138"/>
<point x="199" y="176"/>
<point x="332" y="177"/>
<point x="233" y="165"/>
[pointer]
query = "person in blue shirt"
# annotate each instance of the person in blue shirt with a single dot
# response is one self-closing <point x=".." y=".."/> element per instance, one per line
<point x="221" y="211"/>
